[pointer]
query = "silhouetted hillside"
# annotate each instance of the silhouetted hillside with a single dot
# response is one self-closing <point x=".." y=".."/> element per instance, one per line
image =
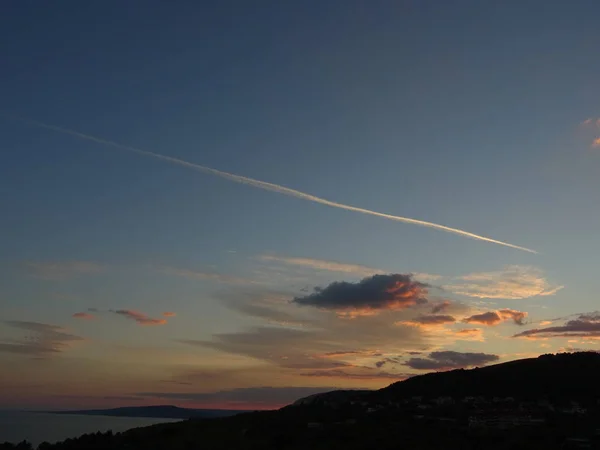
<point x="572" y="376"/>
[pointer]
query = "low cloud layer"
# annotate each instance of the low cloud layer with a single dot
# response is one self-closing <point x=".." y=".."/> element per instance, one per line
<point x="254" y="396"/>
<point x="496" y="317"/>
<point x="368" y="296"/>
<point x="140" y="318"/>
<point x="585" y="325"/>
<point x="41" y="339"/>
<point x="448" y="360"/>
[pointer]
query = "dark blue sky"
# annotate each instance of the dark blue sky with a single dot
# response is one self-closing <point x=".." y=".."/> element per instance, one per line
<point x="466" y="113"/>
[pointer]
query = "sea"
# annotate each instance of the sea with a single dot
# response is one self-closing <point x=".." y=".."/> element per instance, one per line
<point x="16" y="426"/>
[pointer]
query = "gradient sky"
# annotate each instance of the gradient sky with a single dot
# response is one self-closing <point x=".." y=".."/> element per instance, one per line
<point x="130" y="279"/>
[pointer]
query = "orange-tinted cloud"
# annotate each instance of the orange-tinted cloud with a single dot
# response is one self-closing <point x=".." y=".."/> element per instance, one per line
<point x="430" y="319"/>
<point x="596" y="143"/>
<point x="368" y="296"/>
<point x="495" y="317"/>
<point x="139" y="317"/>
<point x="169" y="314"/>
<point x="341" y="354"/>
<point x="474" y="334"/>
<point x="512" y="282"/>
<point x="84" y="315"/>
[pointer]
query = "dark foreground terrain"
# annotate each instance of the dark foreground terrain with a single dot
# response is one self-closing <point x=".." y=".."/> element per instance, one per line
<point x="550" y="402"/>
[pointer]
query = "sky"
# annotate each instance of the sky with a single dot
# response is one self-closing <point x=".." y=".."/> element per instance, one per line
<point x="237" y="204"/>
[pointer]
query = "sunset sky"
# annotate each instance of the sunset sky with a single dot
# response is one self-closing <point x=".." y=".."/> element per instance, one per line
<point x="236" y="204"/>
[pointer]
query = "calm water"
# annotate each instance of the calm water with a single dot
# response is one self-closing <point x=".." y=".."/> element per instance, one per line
<point x="40" y="427"/>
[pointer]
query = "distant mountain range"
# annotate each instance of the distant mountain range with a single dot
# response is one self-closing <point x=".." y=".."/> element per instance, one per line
<point x="158" y="411"/>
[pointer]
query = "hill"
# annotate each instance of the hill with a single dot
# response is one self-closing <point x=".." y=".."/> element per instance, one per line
<point x="571" y="376"/>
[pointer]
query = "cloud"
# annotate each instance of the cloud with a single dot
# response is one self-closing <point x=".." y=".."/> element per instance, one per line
<point x="495" y="317"/>
<point x="341" y="353"/>
<point x="586" y="325"/>
<point x="169" y="314"/>
<point x="269" y="305"/>
<point x="320" y="264"/>
<point x="210" y="276"/>
<point x="591" y="122"/>
<point x="84" y="316"/>
<point x="55" y="271"/>
<point x="258" y="396"/>
<point x="512" y="282"/>
<point x="448" y="360"/>
<point x="430" y="319"/>
<point x="270" y="186"/>
<point x="596" y="143"/>
<point x="329" y="343"/>
<point x="475" y="334"/>
<point x="41" y="340"/>
<point x="139" y="317"/>
<point x="587" y="122"/>
<point x="440" y="307"/>
<point x="348" y="375"/>
<point x="368" y="296"/>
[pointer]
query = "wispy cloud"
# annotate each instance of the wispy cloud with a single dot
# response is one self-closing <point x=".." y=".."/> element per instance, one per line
<point x="41" y="340"/>
<point x="591" y="122"/>
<point x="320" y="264"/>
<point x="169" y="314"/>
<point x="200" y="275"/>
<point x="62" y="270"/>
<point x="84" y="316"/>
<point x="140" y="318"/>
<point x="272" y="187"/>
<point x="470" y="334"/>
<point x="512" y="282"/>
<point x="596" y="143"/>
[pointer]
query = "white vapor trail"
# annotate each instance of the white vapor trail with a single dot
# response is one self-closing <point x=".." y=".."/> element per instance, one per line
<point x="271" y="186"/>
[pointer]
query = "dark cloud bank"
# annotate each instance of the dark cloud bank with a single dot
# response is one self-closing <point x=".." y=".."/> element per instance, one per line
<point x="447" y="360"/>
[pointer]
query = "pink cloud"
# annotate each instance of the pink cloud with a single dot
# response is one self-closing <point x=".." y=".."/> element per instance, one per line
<point x="139" y="317"/>
<point x="169" y="314"/>
<point x="84" y="316"/>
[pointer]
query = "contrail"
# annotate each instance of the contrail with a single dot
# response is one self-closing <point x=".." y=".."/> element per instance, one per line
<point x="270" y="186"/>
